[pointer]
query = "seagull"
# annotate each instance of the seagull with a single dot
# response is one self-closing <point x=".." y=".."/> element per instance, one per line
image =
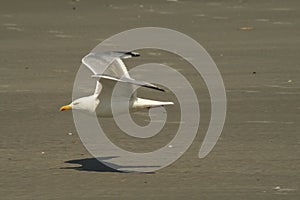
<point x="100" y="102"/>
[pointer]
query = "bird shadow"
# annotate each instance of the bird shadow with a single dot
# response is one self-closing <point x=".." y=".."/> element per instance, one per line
<point x="91" y="164"/>
<point x="95" y="165"/>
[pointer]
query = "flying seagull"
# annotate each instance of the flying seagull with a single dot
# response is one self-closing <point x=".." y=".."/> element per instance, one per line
<point x="100" y="102"/>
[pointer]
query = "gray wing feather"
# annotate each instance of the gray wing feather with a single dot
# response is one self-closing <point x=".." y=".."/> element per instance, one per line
<point x="109" y="63"/>
<point x="127" y="80"/>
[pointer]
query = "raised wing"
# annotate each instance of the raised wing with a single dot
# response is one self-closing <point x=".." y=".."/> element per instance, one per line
<point x="128" y="81"/>
<point x="109" y="63"/>
<point x="109" y="69"/>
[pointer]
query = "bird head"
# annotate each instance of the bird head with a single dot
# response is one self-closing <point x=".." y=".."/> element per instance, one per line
<point x="87" y="104"/>
<point x="73" y="105"/>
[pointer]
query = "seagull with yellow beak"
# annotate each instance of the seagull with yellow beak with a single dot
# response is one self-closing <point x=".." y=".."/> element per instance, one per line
<point x="116" y="72"/>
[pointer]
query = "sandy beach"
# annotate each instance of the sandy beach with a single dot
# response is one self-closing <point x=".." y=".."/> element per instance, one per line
<point x="255" y="45"/>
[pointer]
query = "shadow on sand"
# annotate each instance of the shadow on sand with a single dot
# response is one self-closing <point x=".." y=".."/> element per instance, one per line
<point x="94" y="164"/>
<point x="90" y="164"/>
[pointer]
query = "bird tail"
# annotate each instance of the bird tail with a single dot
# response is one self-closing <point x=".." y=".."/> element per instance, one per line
<point x="148" y="103"/>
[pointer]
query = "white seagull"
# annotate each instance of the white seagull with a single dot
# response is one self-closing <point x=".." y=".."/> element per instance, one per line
<point x="100" y="102"/>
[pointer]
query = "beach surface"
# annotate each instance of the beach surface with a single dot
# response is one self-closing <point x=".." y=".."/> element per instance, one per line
<point x="255" y="45"/>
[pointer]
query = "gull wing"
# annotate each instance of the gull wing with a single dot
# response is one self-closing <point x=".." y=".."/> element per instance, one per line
<point x="128" y="81"/>
<point x="109" y="63"/>
<point x="109" y="69"/>
<point x="98" y="62"/>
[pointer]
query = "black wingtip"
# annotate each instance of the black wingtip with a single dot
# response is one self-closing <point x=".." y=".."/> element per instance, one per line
<point x="160" y="89"/>
<point x="155" y="88"/>
<point x="133" y="54"/>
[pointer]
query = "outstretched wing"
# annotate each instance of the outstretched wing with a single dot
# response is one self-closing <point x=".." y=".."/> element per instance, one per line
<point x="109" y="63"/>
<point x="128" y="81"/>
<point x="109" y="69"/>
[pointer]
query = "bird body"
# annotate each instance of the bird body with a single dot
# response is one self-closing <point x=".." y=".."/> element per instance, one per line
<point x="125" y="98"/>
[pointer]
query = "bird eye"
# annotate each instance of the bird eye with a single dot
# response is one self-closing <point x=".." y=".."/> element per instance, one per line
<point x="75" y="103"/>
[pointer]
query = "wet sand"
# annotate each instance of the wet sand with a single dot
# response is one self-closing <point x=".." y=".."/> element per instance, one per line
<point x="257" y="156"/>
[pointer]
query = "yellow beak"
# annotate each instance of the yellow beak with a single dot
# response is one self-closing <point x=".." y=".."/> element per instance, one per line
<point x="67" y="107"/>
